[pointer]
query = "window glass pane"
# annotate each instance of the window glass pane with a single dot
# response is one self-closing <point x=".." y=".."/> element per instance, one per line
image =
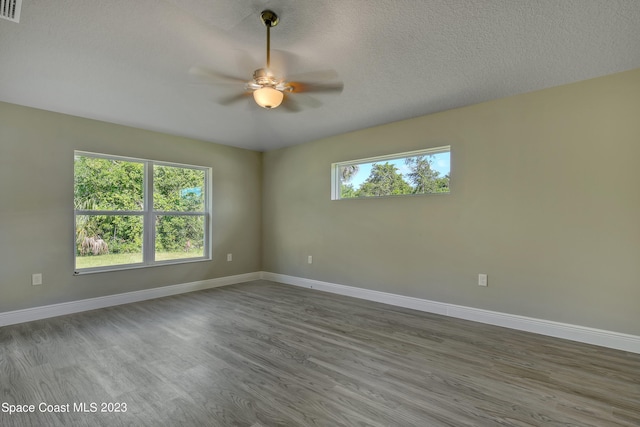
<point x="108" y="184"/>
<point x="417" y="174"/>
<point x="103" y="240"/>
<point x="179" y="236"/>
<point x="178" y="189"/>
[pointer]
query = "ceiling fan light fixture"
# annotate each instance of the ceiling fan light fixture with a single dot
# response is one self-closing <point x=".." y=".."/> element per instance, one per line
<point x="268" y="88"/>
<point x="268" y="97"/>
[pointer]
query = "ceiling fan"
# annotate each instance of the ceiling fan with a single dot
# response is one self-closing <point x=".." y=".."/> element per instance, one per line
<point x="269" y="90"/>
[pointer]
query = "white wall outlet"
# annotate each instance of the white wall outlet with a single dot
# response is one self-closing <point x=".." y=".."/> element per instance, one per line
<point x="482" y="279"/>
<point x="36" y="279"/>
<point x="229" y="257"/>
<point x="310" y="259"/>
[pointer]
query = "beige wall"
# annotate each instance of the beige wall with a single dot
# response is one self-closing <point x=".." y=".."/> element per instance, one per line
<point x="36" y="206"/>
<point x="545" y="200"/>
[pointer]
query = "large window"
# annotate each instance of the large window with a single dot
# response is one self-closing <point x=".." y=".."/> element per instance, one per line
<point x="131" y="212"/>
<point x="416" y="172"/>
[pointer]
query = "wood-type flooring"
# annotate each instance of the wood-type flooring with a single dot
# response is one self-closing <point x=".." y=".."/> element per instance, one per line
<point x="267" y="354"/>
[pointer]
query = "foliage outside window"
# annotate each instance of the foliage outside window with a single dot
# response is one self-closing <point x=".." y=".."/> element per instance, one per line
<point x="417" y="172"/>
<point x="132" y="212"/>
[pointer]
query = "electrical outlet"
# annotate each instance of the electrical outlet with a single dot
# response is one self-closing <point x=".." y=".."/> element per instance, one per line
<point x="36" y="279"/>
<point x="482" y="280"/>
<point x="229" y="257"/>
<point x="310" y="259"/>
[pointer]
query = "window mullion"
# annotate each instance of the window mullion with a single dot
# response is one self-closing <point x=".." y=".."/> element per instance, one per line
<point x="149" y="232"/>
<point x="208" y="207"/>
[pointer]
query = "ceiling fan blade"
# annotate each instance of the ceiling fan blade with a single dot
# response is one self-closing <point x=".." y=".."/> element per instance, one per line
<point x="282" y="62"/>
<point x="290" y="104"/>
<point x="304" y="100"/>
<point x="314" y="76"/>
<point x="302" y="87"/>
<point x="229" y="100"/>
<point x="245" y="62"/>
<point x="210" y="76"/>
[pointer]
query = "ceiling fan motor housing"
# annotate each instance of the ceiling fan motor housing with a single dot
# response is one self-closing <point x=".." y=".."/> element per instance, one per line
<point x="264" y="77"/>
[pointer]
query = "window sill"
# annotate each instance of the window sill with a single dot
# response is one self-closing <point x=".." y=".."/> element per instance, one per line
<point x="124" y="267"/>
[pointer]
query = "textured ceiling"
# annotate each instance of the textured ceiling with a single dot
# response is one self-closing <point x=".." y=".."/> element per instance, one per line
<point x="127" y="62"/>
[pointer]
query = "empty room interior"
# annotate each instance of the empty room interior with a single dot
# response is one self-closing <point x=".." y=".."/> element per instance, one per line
<point x="329" y="213"/>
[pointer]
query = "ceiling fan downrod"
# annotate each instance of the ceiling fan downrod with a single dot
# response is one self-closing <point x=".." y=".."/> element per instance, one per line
<point x="269" y="19"/>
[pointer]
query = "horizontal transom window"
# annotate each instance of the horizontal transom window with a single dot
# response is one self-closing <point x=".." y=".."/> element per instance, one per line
<point x="415" y="172"/>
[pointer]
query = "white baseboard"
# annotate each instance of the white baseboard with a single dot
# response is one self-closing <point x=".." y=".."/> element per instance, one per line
<point x="43" y="312"/>
<point x="578" y="333"/>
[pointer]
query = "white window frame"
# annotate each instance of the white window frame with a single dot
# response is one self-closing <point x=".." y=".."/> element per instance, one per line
<point x="335" y="169"/>
<point x="148" y="214"/>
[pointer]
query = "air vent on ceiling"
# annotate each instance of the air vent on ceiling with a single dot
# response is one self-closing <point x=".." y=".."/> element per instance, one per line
<point x="10" y="9"/>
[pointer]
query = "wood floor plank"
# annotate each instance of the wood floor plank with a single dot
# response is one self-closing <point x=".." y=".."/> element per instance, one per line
<point x="265" y="354"/>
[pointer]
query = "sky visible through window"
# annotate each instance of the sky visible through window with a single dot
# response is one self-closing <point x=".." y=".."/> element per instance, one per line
<point x="441" y="163"/>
